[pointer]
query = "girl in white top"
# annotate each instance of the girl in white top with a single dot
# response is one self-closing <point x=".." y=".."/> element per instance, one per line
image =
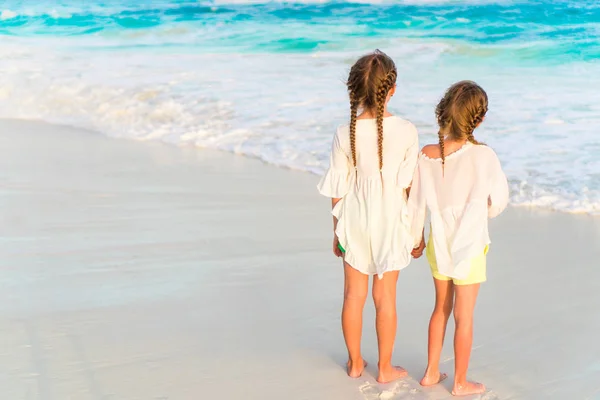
<point x="462" y="184"/>
<point x="372" y="164"/>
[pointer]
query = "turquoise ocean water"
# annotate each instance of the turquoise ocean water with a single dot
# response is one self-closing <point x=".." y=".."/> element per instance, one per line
<point x="266" y="79"/>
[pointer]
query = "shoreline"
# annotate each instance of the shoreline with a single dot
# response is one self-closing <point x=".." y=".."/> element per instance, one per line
<point x="142" y="270"/>
<point x="527" y="206"/>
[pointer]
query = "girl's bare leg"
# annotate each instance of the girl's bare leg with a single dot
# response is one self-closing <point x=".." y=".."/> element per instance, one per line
<point x="356" y="287"/>
<point x="464" y="306"/>
<point x="444" y="297"/>
<point x="384" y="295"/>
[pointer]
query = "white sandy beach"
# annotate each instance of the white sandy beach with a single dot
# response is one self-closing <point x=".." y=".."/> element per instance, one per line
<point x="135" y="270"/>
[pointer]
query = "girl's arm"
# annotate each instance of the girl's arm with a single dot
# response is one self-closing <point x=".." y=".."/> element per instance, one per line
<point x="498" y="199"/>
<point x="336" y="249"/>
<point x="418" y="251"/>
<point x="335" y="221"/>
<point x="407" y="167"/>
<point x="336" y="182"/>
<point x="417" y="209"/>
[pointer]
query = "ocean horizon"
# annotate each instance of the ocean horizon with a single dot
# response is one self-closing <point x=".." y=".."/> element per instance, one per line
<point x="266" y="79"/>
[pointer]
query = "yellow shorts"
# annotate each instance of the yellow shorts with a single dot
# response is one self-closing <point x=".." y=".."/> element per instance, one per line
<point x="478" y="267"/>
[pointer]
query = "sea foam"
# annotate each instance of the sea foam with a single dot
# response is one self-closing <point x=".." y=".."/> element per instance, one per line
<point x="8" y="14"/>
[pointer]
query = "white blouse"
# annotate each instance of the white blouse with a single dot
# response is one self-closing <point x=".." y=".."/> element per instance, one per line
<point x="457" y="199"/>
<point x="373" y="222"/>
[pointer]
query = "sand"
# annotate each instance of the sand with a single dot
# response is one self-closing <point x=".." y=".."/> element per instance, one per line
<point x="138" y="270"/>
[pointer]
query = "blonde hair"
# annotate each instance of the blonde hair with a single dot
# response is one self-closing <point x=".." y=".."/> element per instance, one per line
<point x="460" y="111"/>
<point x="369" y="82"/>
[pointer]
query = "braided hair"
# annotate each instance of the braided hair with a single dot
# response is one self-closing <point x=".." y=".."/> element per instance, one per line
<point x="459" y="112"/>
<point x="370" y="80"/>
<point x="353" y="115"/>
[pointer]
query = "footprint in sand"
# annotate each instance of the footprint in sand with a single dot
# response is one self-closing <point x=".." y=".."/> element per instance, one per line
<point x="402" y="389"/>
<point x="410" y="389"/>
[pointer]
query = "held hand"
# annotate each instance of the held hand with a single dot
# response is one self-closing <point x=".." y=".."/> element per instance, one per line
<point x="418" y="251"/>
<point x="336" y="250"/>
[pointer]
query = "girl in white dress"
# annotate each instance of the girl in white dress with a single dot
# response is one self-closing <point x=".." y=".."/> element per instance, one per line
<point x="372" y="164"/>
<point x="462" y="184"/>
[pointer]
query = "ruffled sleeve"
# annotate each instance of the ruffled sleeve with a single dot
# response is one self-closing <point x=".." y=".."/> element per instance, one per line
<point x="407" y="167"/>
<point x="499" y="188"/>
<point x="336" y="181"/>
<point x="417" y="206"/>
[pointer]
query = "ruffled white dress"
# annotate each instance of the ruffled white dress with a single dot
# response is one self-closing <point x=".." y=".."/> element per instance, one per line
<point x="457" y="199"/>
<point x="373" y="221"/>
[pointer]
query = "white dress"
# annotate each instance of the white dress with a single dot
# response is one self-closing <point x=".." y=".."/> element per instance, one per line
<point x="457" y="199"/>
<point x="373" y="222"/>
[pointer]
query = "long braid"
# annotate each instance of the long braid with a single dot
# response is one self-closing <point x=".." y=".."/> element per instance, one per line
<point x="441" y="114"/>
<point x="382" y="92"/>
<point x="353" y="114"/>
<point x="379" y="115"/>
<point x="472" y="139"/>
<point x="476" y="119"/>
<point x="441" y="141"/>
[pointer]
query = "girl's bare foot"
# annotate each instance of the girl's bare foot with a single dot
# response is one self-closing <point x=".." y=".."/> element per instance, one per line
<point x="355" y="370"/>
<point x="389" y="374"/>
<point x="467" y="389"/>
<point x="433" y="378"/>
